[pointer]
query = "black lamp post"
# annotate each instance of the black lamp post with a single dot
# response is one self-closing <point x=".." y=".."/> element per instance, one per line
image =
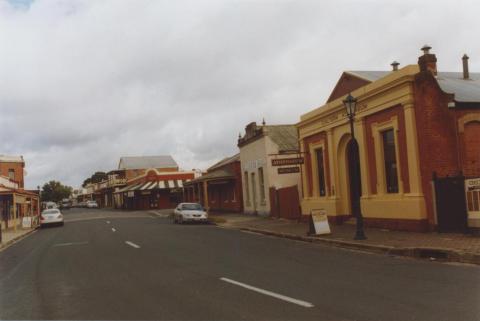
<point x="351" y="105"/>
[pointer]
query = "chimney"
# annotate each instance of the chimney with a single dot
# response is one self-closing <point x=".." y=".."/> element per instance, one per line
<point x="465" y="67"/>
<point x="428" y="61"/>
<point x="395" y="65"/>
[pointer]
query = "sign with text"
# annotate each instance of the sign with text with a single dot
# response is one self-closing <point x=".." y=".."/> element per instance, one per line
<point x="319" y="222"/>
<point x="27" y="222"/>
<point x="287" y="161"/>
<point x="472" y="192"/>
<point x="288" y="170"/>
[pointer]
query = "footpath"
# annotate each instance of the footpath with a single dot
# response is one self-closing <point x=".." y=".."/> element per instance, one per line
<point x="10" y="236"/>
<point x="453" y="247"/>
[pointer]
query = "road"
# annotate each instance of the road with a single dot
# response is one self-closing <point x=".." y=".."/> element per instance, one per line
<point x="114" y="265"/>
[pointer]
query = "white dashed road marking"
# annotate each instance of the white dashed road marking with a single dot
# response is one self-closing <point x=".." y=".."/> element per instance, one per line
<point x="72" y="243"/>
<point x="113" y="229"/>
<point x="108" y="222"/>
<point x="269" y="293"/>
<point x="132" y="244"/>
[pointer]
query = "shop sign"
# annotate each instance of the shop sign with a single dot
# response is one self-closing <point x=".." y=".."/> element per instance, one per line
<point x="27" y="222"/>
<point x="130" y="193"/>
<point x="20" y="199"/>
<point x="472" y="193"/>
<point x="319" y="222"/>
<point x="288" y="170"/>
<point x="287" y="161"/>
<point x="472" y="184"/>
<point x="145" y="192"/>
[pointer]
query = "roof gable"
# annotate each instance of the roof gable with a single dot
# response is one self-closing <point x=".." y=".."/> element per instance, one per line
<point x="348" y="82"/>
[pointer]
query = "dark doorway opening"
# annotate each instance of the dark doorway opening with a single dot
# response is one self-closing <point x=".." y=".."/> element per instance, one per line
<point x="354" y="177"/>
<point x="451" y="204"/>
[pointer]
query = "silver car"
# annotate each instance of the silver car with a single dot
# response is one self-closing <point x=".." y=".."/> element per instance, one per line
<point x="51" y="216"/>
<point x="189" y="212"/>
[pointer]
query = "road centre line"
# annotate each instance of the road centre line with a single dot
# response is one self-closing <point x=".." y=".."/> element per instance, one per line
<point x="71" y="243"/>
<point x="269" y="293"/>
<point x="108" y="222"/>
<point x="113" y="229"/>
<point x="132" y="244"/>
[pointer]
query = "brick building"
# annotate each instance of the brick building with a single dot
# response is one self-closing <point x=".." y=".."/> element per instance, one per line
<point x="150" y="182"/>
<point x="415" y="126"/>
<point x="15" y="202"/>
<point x="220" y="188"/>
<point x="13" y="168"/>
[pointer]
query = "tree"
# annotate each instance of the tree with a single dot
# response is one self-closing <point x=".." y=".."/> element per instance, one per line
<point x="95" y="178"/>
<point x="54" y="191"/>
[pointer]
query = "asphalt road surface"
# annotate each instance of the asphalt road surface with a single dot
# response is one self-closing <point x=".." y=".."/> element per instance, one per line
<point x="134" y="265"/>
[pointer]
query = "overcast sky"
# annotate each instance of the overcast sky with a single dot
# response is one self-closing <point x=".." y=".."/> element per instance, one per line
<point x="83" y="83"/>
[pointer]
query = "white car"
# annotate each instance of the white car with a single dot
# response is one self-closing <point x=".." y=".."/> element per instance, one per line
<point x="51" y="216"/>
<point x="189" y="212"/>
<point x="92" y="204"/>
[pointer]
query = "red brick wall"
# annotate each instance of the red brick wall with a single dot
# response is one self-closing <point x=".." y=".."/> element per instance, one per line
<point x="18" y="169"/>
<point x="379" y="117"/>
<point x="471" y="148"/>
<point x="437" y="135"/>
<point x="346" y="84"/>
<point x="309" y="161"/>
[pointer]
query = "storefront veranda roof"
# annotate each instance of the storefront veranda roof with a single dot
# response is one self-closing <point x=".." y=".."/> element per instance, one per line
<point x="219" y="174"/>
<point x="165" y="184"/>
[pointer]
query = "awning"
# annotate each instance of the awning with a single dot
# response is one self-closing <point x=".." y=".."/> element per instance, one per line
<point x="167" y="184"/>
<point x="217" y="174"/>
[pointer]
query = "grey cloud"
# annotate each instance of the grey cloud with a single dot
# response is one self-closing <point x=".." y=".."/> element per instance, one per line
<point x="85" y="82"/>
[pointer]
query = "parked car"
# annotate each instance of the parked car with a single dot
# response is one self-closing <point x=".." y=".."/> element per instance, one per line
<point x="189" y="212"/>
<point x="65" y="204"/>
<point x="51" y="216"/>
<point x="92" y="204"/>
<point x="49" y="205"/>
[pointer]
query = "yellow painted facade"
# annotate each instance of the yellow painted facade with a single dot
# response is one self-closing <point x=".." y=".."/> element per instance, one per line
<point x="395" y="89"/>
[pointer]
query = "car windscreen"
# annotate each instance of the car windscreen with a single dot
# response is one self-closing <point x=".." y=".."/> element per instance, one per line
<point x="192" y="207"/>
<point x="51" y="212"/>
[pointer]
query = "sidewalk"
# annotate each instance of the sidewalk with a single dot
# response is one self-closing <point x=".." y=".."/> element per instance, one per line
<point x="435" y="246"/>
<point x="10" y="236"/>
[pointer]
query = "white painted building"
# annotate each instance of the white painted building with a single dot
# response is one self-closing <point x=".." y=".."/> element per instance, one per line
<point x="258" y="147"/>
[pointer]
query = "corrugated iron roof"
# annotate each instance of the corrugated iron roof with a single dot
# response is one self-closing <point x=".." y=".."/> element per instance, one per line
<point x="223" y="173"/>
<point x="370" y="75"/>
<point x="285" y="136"/>
<point x="465" y="90"/>
<point x="144" y="162"/>
<point x="225" y="161"/>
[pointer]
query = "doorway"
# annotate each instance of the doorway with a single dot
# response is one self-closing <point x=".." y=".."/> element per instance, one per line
<point x="354" y="176"/>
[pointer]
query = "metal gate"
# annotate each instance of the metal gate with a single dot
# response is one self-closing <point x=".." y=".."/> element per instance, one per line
<point x="450" y="204"/>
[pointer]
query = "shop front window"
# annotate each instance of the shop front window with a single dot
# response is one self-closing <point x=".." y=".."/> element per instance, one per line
<point x="390" y="158"/>
<point x="321" y="171"/>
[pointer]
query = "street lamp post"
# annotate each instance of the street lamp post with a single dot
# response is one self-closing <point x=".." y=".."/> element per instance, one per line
<point x="351" y="104"/>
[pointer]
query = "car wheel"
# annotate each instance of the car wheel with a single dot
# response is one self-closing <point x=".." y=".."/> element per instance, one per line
<point x="181" y="220"/>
